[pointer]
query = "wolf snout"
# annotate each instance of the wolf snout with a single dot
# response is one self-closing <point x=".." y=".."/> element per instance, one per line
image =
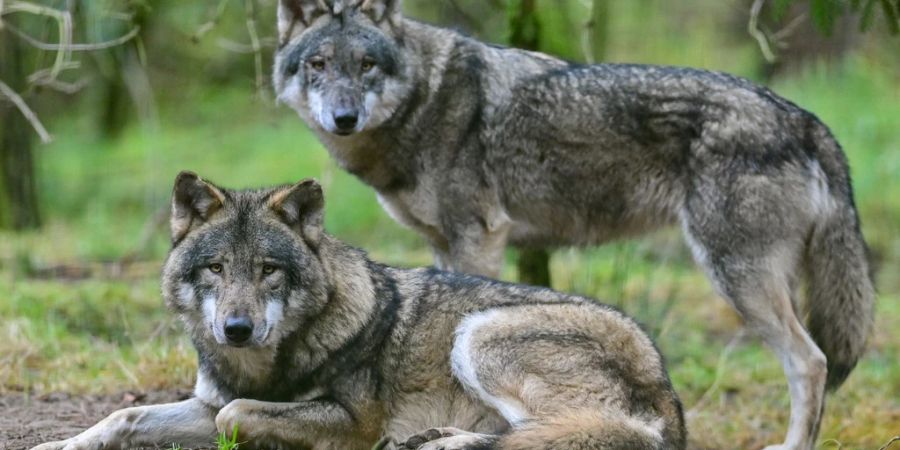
<point x="238" y="330"/>
<point x="346" y="120"/>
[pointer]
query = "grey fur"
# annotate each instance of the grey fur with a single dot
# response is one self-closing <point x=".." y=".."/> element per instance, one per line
<point x="363" y="352"/>
<point x="476" y="147"/>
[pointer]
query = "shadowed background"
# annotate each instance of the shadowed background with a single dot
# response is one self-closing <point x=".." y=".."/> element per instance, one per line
<point x="84" y="217"/>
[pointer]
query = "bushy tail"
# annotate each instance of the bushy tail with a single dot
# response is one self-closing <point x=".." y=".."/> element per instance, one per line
<point x="841" y="293"/>
<point x="594" y="431"/>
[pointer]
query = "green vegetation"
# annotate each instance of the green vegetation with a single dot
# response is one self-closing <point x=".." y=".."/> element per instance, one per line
<point x="224" y="442"/>
<point x="75" y="316"/>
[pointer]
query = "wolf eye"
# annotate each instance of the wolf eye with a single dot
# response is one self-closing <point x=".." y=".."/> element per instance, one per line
<point x="268" y="269"/>
<point x="368" y="65"/>
<point x="317" y="64"/>
<point x="215" y="268"/>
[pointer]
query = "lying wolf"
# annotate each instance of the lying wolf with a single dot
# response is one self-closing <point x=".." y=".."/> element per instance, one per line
<point x="476" y="146"/>
<point x="304" y="342"/>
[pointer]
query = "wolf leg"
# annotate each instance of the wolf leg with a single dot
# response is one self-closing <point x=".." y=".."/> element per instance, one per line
<point x="188" y="424"/>
<point x="295" y="425"/>
<point x="478" y="248"/>
<point x="759" y="283"/>
<point x="537" y="365"/>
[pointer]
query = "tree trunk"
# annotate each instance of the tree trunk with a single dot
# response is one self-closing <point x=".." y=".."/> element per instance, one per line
<point x="599" y="30"/>
<point x="121" y="106"/>
<point x="534" y="267"/>
<point x="524" y="26"/>
<point x="18" y="197"/>
<point x="525" y="33"/>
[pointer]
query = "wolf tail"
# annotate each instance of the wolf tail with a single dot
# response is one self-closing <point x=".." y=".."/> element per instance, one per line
<point x="594" y="431"/>
<point x="841" y="293"/>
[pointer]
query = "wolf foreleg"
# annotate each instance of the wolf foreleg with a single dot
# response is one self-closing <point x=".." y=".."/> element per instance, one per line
<point x="302" y="424"/>
<point x="188" y="424"/>
<point x="478" y="246"/>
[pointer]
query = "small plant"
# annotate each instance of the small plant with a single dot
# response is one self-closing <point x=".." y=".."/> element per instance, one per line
<point x="225" y="443"/>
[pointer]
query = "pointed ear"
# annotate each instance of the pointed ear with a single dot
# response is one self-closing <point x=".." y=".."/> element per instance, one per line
<point x="194" y="202"/>
<point x="380" y="10"/>
<point x="302" y="207"/>
<point x="297" y="15"/>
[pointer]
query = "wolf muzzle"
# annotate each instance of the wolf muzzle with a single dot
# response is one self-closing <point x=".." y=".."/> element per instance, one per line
<point x="238" y="330"/>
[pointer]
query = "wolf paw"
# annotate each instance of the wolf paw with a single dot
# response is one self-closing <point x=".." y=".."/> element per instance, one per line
<point x="448" y="439"/>
<point x="51" y="446"/>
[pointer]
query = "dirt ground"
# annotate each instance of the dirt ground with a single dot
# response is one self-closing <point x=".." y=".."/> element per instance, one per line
<point x="28" y="421"/>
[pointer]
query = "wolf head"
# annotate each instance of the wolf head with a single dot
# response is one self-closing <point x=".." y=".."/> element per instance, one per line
<point x="243" y="270"/>
<point x="340" y="63"/>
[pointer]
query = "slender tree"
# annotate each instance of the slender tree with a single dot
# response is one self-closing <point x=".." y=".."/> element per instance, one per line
<point x="18" y="197"/>
<point x="525" y="33"/>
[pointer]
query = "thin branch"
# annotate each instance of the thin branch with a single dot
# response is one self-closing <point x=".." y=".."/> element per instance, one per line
<point x="76" y="47"/>
<point x="890" y="443"/>
<point x="64" y="86"/>
<point x="64" y="21"/>
<point x="209" y="25"/>
<point x="44" y="74"/>
<point x="250" y="12"/>
<point x="32" y="118"/>
<point x="788" y="29"/>
<point x="720" y="372"/>
<point x="238" y="47"/>
<point x="753" y="29"/>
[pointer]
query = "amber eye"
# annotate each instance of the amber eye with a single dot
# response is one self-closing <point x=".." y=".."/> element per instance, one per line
<point x="215" y="268"/>
<point x="317" y="64"/>
<point x="268" y="269"/>
<point x="368" y="65"/>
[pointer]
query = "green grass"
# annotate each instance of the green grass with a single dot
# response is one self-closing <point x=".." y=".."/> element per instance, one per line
<point x="223" y="442"/>
<point x="111" y="333"/>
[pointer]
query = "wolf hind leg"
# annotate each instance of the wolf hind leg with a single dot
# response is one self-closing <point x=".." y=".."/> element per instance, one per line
<point x="549" y="371"/>
<point x="759" y="281"/>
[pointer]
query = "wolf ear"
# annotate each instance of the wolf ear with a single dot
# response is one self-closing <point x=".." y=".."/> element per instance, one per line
<point x="298" y="15"/>
<point x="302" y="207"/>
<point x="380" y="10"/>
<point x="194" y="202"/>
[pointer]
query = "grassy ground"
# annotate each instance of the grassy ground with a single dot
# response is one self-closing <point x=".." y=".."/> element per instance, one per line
<point x="72" y="318"/>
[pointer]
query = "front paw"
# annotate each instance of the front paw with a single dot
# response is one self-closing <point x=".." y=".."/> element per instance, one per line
<point x="74" y="444"/>
<point x="238" y="417"/>
<point x="59" y="445"/>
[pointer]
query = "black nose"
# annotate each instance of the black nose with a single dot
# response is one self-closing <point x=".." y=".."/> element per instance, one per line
<point x="238" y="329"/>
<point x="346" y="119"/>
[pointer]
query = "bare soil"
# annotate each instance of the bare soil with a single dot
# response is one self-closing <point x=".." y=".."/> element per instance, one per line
<point x="26" y="421"/>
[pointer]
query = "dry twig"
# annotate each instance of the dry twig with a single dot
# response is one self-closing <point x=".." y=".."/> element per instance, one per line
<point x="757" y="33"/>
<point x="250" y="12"/>
<point x="890" y="443"/>
<point x="76" y="47"/>
<point x="49" y="77"/>
<point x="29" y="115"/>
<point x="720" y="372"/>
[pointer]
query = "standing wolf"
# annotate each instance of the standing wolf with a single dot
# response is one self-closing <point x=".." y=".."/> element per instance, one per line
<point x="476" y="147"/>
<point x="305" y="343"/>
